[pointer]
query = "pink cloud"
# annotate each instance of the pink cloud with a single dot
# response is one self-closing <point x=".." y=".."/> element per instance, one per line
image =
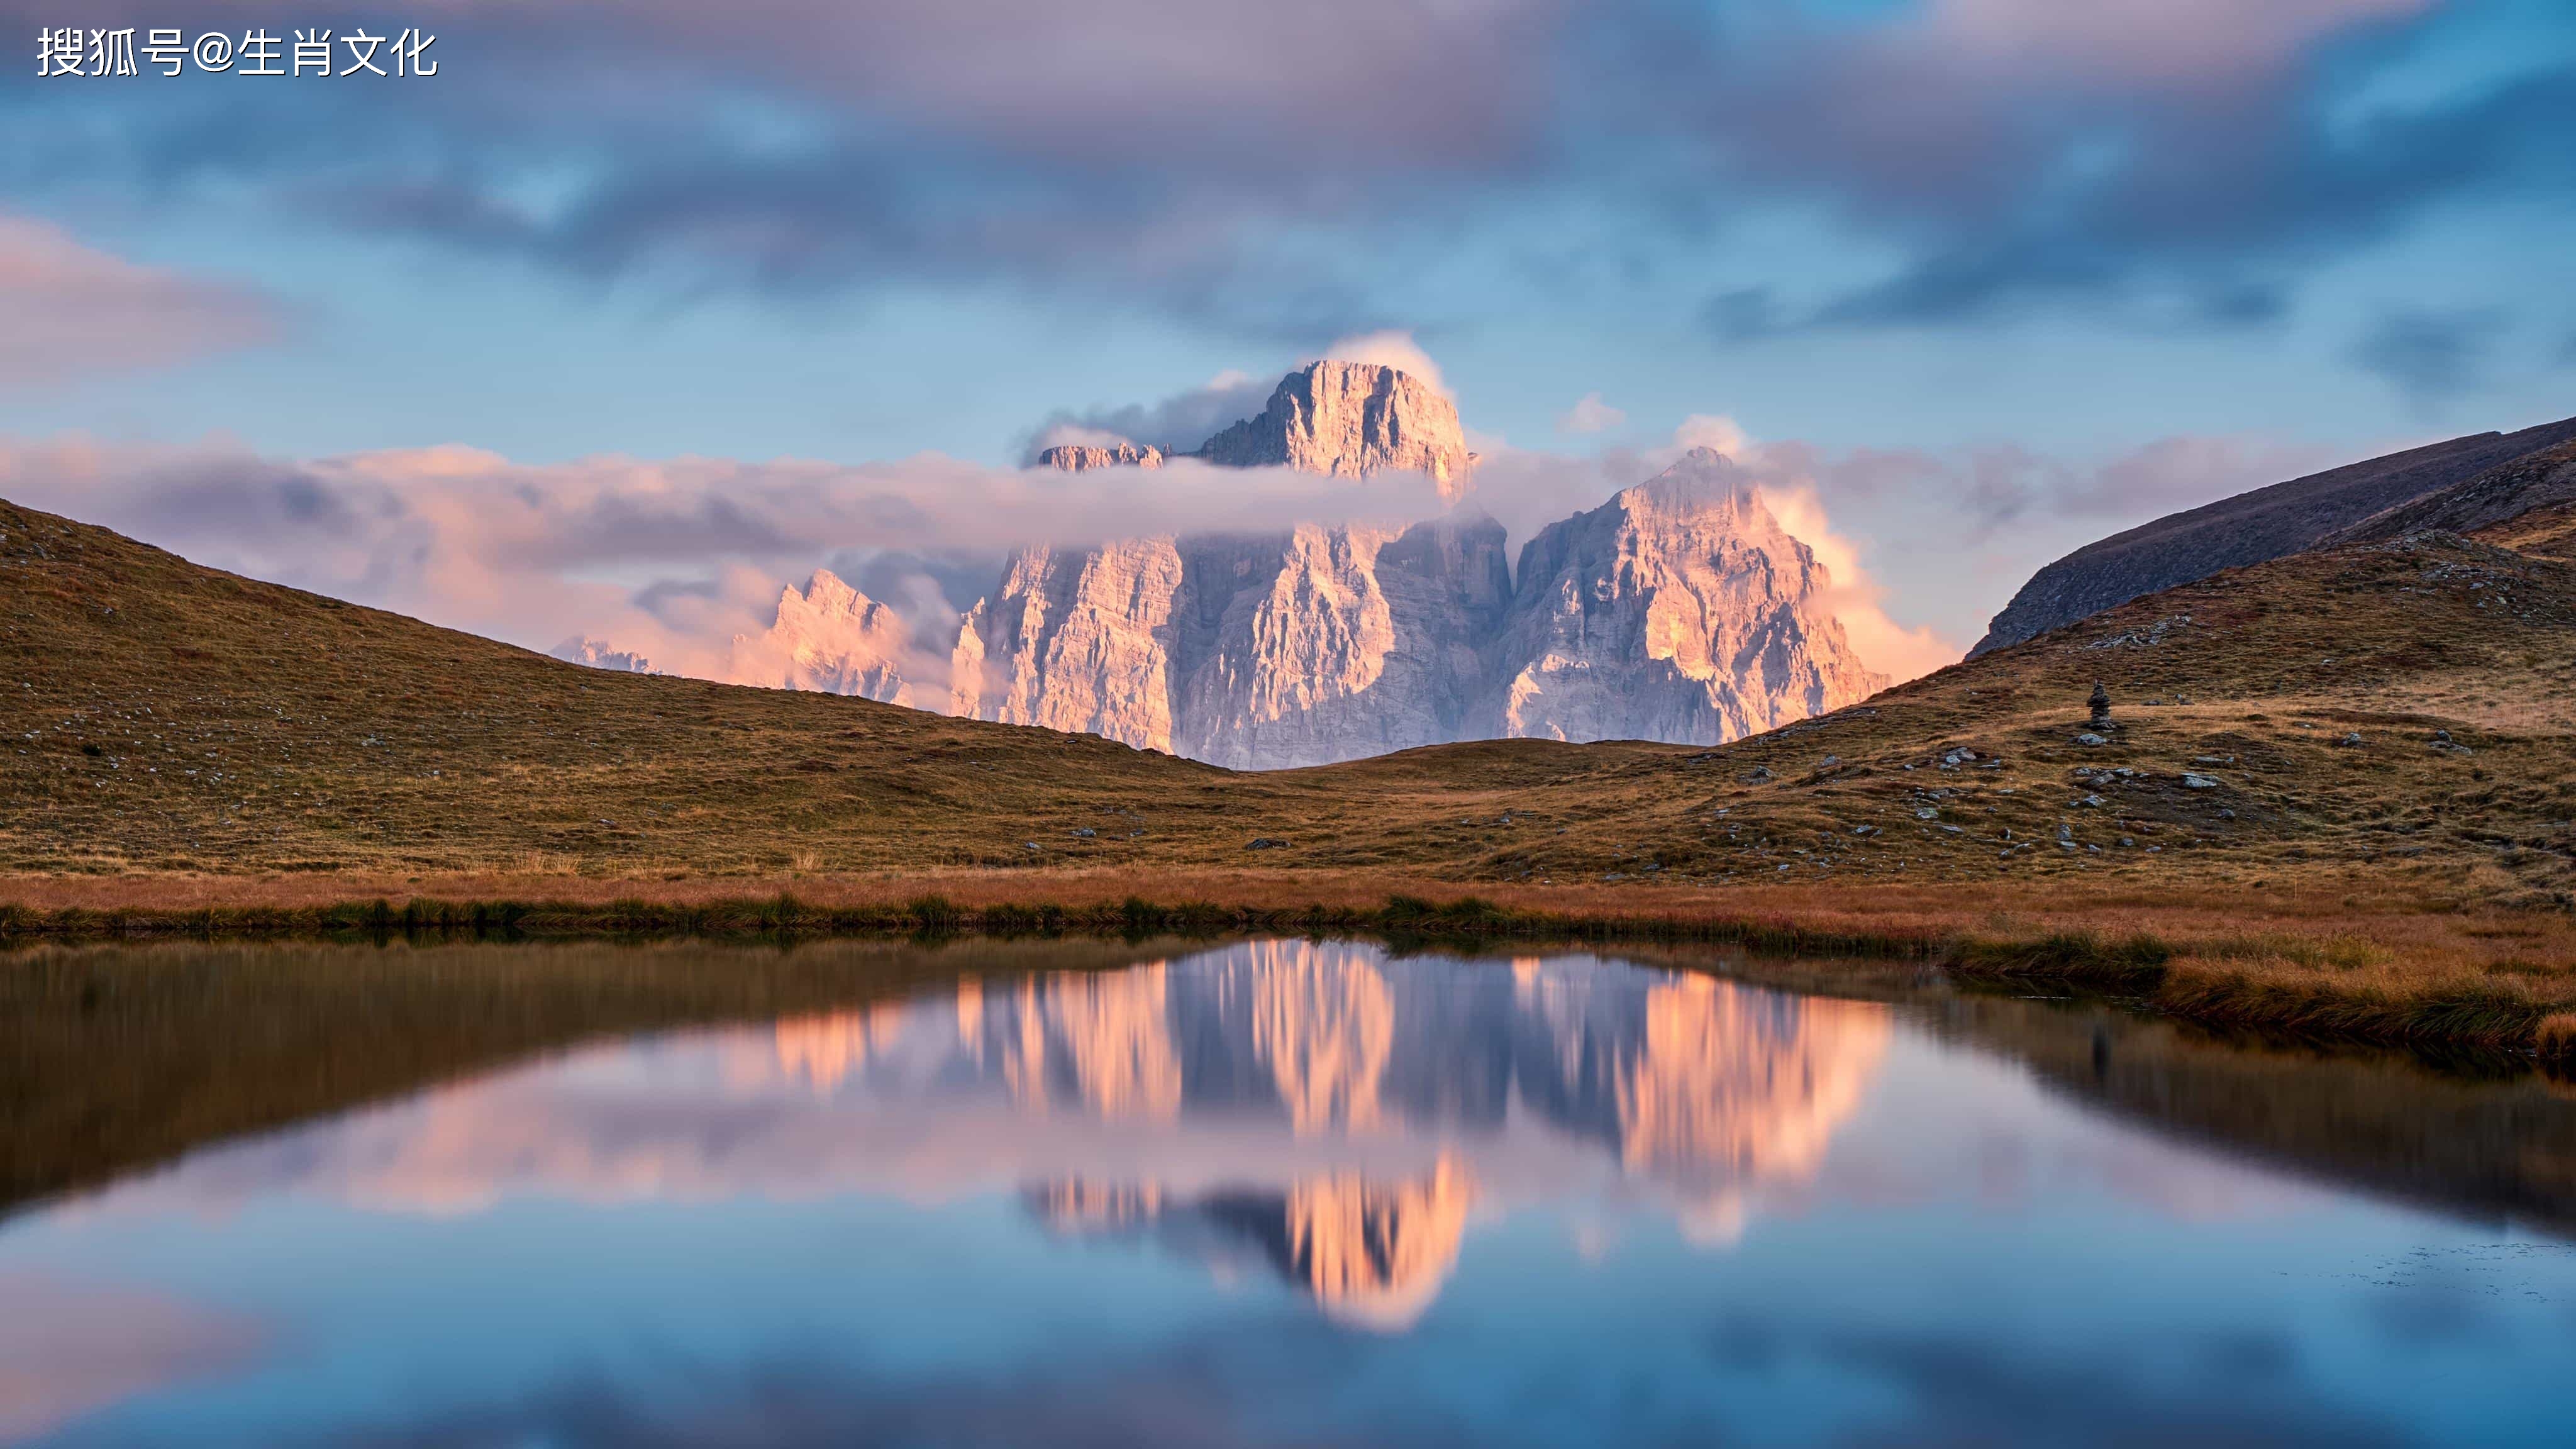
<point x="75" y="310"/>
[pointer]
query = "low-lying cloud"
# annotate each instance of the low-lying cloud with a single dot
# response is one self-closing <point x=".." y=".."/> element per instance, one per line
<point x="672" y="559"/>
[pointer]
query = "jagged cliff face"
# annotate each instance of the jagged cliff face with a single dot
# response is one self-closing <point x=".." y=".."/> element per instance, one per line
<point x="1255" y="652"/>
<point x="1350" y="419"/>
<point x="597" y="654"/>
<point x="1680" y="610"/>
<point x="1077" y="457"/>
<point x="831" y="638"/>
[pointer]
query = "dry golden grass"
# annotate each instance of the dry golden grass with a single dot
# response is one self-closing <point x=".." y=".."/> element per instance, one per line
<point x="181" y="737"/>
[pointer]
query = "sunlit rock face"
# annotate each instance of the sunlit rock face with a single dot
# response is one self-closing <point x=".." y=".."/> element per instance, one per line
<point x="1080" y="457"/>
<point x="1315" y="645"/>
<point x="1680" y="610"/>
<point x="1350" y="419"/>
<point x="1077" y="640"/>
<point x="828" y="637"/>
<point x="596" y="654"/>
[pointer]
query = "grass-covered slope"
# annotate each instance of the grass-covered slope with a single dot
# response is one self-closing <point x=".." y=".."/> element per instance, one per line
<point x="2402" y="706"/>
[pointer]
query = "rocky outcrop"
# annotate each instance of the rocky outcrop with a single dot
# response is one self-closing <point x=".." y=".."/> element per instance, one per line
<point x="828" y="637"/>
<point x="1350" y="419"/>
<point x="1680" y="610"/>
<point x="1078" y="457"/>
<point x="2545" y="479"/>
<point x="2249" y="528"/>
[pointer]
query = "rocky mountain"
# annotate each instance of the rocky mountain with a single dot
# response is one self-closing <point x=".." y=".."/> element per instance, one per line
<point x="2267" y="523"/>
<point x="2545" y="479"/>
<point x="830" y="638"/>
<point x="1266" y="651"/>
<point x="597" y="654"/>
<point x="1350" y="419"/>
<point x="1680" y="610"/>
<point x="1341" y="419"/>
<point x="1076" y="457"/>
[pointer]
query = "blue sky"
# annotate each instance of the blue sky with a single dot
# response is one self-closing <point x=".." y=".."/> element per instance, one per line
<point x="2303" y="229"/>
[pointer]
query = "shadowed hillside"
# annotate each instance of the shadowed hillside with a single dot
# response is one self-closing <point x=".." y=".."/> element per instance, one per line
<point x="2249" y="529"/>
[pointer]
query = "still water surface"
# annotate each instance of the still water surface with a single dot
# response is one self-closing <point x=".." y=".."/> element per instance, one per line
<point x="1277" y="1192"/>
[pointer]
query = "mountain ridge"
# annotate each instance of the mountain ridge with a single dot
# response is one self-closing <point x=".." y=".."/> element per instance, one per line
<point x="2248" y="528"/>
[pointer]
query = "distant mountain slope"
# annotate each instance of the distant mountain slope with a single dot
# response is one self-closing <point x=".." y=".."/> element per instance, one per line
<point x="2385" y="716"/>
<point x="2247" y="529"/>
<point x="2498" y="495"/>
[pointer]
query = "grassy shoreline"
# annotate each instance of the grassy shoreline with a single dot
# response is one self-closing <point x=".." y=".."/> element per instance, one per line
<point x="2344" y="978"/>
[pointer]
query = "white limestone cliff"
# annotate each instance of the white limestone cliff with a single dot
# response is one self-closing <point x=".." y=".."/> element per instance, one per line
<point x="831" y="638"/>
<point x="1680" y="610"/>
<point x="1350" y="419"/>
<point x="1078" y="457"/>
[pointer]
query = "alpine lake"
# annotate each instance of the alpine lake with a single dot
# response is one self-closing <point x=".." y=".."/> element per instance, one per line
<point x="1260" y="1192"/>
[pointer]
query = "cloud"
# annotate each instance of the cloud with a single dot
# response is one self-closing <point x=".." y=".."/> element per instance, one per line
<point x="71" y="310"/>
<point x="2431" y="356"/>
<point x="1590" y="415"/>
<point x="1293" y="172"/>
<point x="667" y="559"/>
<point x="1176" y="424"/>
<point x="1716" y="433"/>
<point x="671" y="558"/>
<point x="2187" y="158"/>
<point x="70" y="1349"/>
<point x="1388" y="349"/>
<point x="1856" y="598"/>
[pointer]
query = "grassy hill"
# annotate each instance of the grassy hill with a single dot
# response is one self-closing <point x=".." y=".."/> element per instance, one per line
<point x="2405" y="706"/>
<point x="2338" y="776"/>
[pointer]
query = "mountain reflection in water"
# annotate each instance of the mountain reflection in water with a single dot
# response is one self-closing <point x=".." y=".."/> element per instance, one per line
<point x="1277" y="1192"/>
<point x="1310" y="1106"/>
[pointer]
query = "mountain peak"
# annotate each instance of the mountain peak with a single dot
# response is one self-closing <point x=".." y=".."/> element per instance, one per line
<point x="829" y="637"/>
<point x="1350" y="420"/>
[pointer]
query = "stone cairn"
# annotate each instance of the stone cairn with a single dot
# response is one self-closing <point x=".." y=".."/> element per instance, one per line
<point x="2101" y="703"/>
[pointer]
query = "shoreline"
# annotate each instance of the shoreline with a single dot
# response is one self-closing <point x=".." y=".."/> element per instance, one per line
<point x="2306" y="964"/>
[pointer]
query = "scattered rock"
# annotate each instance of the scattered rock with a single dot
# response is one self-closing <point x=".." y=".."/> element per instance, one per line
<point x="1758" y="775"/>
<point x="2090" y="739"/>
<point x="1264" y="842"/>
<point x="1084" y="832"/>
<point x="2198" y="782"/>
<point x="2351" y="741"/>
<point x="1028" y="845"/>
<point x="2226" y="814"/>
<point x="1927" y="813"/>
